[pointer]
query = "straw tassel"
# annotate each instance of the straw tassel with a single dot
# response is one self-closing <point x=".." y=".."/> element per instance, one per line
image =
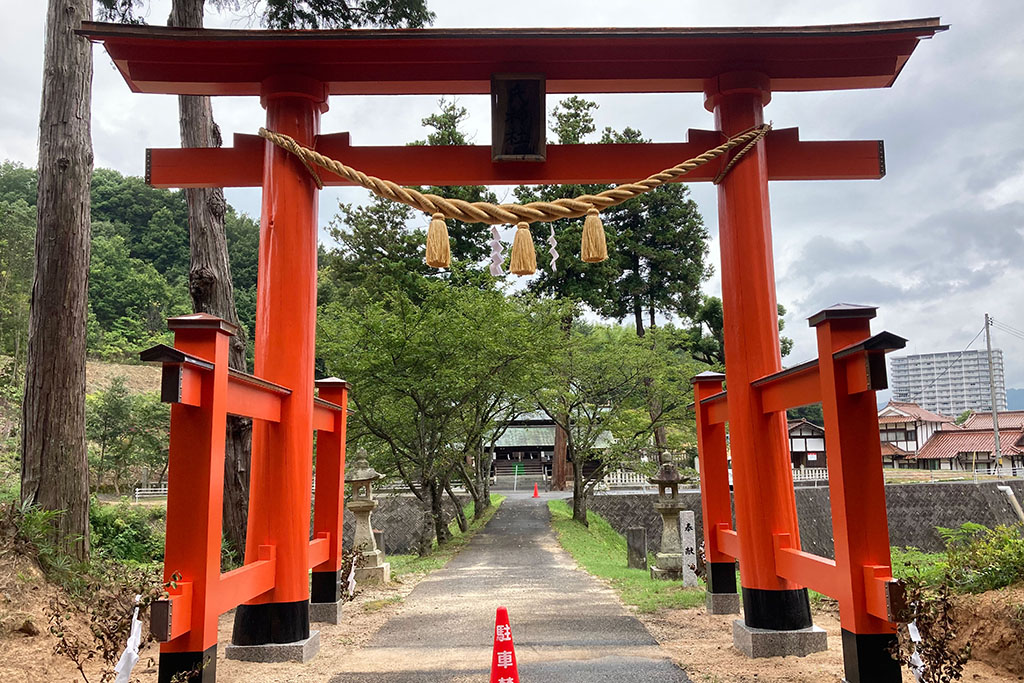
<point x="593" y="248"/>
<point x="524" y="257"/>
<point x="439" y="254"/>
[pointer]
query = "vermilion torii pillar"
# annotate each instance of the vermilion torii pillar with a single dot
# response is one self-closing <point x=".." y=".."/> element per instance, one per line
<point x="736" y="70"/>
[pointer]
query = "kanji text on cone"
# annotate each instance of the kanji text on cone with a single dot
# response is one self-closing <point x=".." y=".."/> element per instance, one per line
<point x="503" y="659"/>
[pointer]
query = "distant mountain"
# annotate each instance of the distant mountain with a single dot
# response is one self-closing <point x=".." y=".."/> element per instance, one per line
<point x="1015" y="399"/>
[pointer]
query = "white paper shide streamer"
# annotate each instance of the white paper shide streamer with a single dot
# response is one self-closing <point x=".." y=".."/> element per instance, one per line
<point x="554" y="252"/>
<point x="916" y="663"/>
<point x="352" y="580"/>
<point x="497" y="255"/>
<point x="123" y="670"/>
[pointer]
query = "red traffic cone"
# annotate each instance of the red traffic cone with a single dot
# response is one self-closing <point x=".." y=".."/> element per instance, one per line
<point x="536" y="494"/>
<point x="503" y="660"/>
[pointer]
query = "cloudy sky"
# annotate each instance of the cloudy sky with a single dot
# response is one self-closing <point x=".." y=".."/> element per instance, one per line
<point x="935" y="244"/>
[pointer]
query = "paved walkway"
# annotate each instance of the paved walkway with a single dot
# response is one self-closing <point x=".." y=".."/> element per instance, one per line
<point x="567" y="626"/>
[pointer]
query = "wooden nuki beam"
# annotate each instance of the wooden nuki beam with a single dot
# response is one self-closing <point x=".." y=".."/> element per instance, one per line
<point x="788" y="159"/>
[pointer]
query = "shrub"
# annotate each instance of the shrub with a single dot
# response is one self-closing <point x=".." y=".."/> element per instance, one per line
<point x="126" y="532"/>
<point x="981" y="559"/>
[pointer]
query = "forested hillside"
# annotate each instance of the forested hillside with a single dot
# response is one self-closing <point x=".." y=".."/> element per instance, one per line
<point x="138" y="273"/>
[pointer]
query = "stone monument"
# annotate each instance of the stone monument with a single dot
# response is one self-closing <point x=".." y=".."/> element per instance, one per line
<point x="371" y="569"/>
<point x="688" y="539"/>
<point x="669" y="560"/>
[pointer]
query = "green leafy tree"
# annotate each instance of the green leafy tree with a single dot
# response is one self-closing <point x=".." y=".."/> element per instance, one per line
<point x="18" y="182"/>
<point x="127" y="433"/>
<point x="17" y="233"/>
<point x="108" y="420"/>
<point x="129" y="300"/>
<point x="421" y="368"/>
<point x="378" y="247"/>
<point x="600" y="391"/>
<point x="811" y="413"/>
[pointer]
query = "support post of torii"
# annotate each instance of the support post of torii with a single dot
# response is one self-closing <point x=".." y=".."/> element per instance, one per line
<point x="282" y="453"/>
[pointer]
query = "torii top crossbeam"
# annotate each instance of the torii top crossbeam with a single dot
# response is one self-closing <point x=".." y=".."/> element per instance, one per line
<point x="447" y="61"/>
<point x="461" y="61"/>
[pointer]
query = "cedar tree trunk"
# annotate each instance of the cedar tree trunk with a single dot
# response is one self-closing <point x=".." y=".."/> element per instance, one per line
<point x="209" y="280"/>
<point x="54" y="467"/>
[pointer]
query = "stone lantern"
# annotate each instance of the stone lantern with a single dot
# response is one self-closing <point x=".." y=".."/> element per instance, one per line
<point x="360" y="475"/>
<point x="669" y="564"/>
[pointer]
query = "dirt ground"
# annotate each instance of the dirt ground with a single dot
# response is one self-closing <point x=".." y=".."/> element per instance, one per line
<point x="139" y="379"/>
<point x="30" y="659"/>
<point x="701" y="644"/>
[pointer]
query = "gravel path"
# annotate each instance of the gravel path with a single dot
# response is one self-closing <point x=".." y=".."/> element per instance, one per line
<point x="567" y="626"/>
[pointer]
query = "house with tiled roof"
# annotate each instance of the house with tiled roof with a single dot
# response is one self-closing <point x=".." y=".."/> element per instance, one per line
<point x="1008" y="419"/>
<point x="970" y="449"/>
<point x="806" y="444"/>
<point x="904" y="428"/>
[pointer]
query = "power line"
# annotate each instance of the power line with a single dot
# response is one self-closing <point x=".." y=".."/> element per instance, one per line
<point x="951" y="364"/>
<point x="1003" y="327"/>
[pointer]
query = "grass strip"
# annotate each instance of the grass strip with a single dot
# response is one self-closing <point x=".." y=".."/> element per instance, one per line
<point x="441" y="555"/>
<point x="602" y="551"/>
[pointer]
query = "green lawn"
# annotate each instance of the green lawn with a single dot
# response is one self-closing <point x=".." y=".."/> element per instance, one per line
<point x="602" y="551"/>
<point x="414" y="564"/>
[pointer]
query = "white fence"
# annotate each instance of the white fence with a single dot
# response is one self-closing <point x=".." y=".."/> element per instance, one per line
<point x="810" y="474"/>
<point x="625" y="479"/>
<point x="150" y="492"/>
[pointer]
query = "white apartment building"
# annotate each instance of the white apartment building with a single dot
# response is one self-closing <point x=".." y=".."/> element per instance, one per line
<point x="948" y="383"/>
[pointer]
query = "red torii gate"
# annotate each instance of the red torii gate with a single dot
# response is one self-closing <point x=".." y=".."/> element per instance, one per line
<point x="737" y="70"/>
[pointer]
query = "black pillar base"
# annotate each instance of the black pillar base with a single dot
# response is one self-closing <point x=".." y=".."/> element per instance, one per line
<point x="189" y="667"/>
<point x="783" y="610"/>
<point x="867" y="658"/>
<point x="271" y="622"/>
<point x="721" y="577"/>
<point x="325" y="587"/>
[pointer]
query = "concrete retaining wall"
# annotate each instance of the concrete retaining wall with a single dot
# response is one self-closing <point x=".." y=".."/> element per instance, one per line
<point x="914" y="512"/>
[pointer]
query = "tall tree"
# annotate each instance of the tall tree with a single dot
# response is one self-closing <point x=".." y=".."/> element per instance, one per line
<point x="54" y="465"/>
<point x="210" y="281"/>
<point x="707" y="343"/>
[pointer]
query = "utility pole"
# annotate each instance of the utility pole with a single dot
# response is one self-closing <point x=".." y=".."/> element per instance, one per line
<point x="992" y="390"/>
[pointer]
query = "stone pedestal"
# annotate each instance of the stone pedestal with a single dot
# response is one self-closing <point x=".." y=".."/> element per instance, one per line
<point x="301" y="651"/>
<point x="759" y="642"/>
<point x="669" y="560"/>
<point x="325" y="612"/>
<point x="636" y="547"/>
<point x="375" y="571"/>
